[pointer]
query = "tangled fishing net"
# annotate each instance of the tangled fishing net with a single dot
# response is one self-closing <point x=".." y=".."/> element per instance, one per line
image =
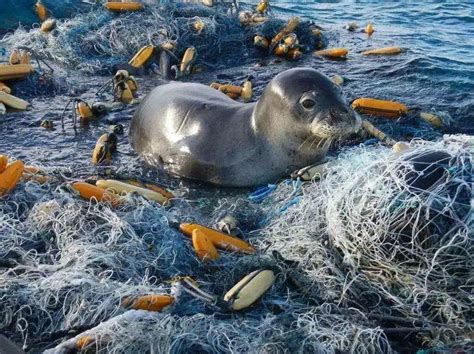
<point x="69" y="264"/>
<point x="367" y="259"/>
<point x="107" y="40"/>
<point x="369" y="237"/>
<point x="363" y="258"/>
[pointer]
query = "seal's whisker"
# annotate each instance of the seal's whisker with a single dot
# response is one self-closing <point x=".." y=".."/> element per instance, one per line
<point x="319" y="142"/>
<point x="301" y="146"/>
<point x="328" y="143"/>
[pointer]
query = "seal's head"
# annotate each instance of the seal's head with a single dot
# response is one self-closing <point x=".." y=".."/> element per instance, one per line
<point x="306" y="106"/>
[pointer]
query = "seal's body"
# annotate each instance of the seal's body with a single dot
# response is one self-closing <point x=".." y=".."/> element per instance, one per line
<point x="194" y="131"/>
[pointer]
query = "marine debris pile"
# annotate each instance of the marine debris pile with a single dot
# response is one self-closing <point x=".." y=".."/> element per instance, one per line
<point x="70" y="265"/>
<point x="108" y="39"/>
<point x="368" y="252"/>
<point x="386" y="237"/>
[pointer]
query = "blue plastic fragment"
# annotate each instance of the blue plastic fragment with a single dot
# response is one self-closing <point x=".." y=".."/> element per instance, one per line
<point x="261" y="193"/>
<point x="369" y="142"/>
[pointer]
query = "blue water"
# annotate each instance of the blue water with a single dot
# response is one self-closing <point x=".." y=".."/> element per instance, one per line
<point x="437" y="69"/>
<point x="15" y="12"/>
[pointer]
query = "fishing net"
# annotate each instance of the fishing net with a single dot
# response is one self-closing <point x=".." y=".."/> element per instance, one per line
<point x="367" y="259"/>
<point x="369" y="237"/>
<point x="68" y="265"/>
<point x="108" y="40"/>
<point x="361" y="257"/>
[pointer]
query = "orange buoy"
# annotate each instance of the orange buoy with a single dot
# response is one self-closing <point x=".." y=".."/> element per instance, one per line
<point x="14" y="58"/>
<point x="48" y="25"/>
<point x="369" y="29"/>
<point x="5" y="88"/>
<point x="142" y="56"/>
<point x="24" y="57"/>
<point x="203" y="246"/>
<point x="40" y="10"/>
<point x="219" y="239"/>
<point x="150" y="302"/>
<point x="3" y="163"/>
<point x="160" y="190"/>
<point x="90" y="192"/>
<point x="10" y="177"/>
<point x="294" y="54"/>
<point x="153" y="187"/>
<point x="117" y="6"/>
<point x="17" y="71"/>
<point x="431" y="119"/>
<point x="287" y="29"/>
<point x="382" y="108"/>
<point x="383" y="51"/>
<point x="281" y="50"/>
<point x="332" y="53"/>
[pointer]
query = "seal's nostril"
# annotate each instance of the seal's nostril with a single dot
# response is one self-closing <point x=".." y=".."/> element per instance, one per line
<point x="334" y="116"/>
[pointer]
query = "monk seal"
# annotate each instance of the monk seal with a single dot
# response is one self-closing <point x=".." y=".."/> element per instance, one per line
<point x="193" y="131"/>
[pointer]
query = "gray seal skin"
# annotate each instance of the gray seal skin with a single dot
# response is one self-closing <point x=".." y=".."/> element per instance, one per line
<point x="194" y="131"/>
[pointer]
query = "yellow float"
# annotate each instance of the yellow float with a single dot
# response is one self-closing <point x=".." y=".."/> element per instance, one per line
<point x="18" y="71"/>
<point x="141" y="56"/>
<point x="152" y="302"/>
<point x="383" y="51"/>
<point x="153" y="187"/>
<point x="48" y="25"/>
<point x="10" y="177"/>
<point x="90" y="192"/>
<point x="332" y="53"/>
<point x="389" y="109"/>
<point x="219" y="239"/>
<point x="369" y="29"/>
<point x="12" y="101"/>
<point x="203" y="246"/>
<point x="116" y="6"/>
<point x="121" y="188"/>
<point x="5" y="88"/>
<point x="248" y="290"/>
<point x="431" y="119"/>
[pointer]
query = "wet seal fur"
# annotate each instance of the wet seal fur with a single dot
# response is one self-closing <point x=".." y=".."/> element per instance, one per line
<point x="196" y="132"/>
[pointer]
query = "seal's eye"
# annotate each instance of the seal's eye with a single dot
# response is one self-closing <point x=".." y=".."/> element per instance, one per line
<point x="308" y="103"/>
